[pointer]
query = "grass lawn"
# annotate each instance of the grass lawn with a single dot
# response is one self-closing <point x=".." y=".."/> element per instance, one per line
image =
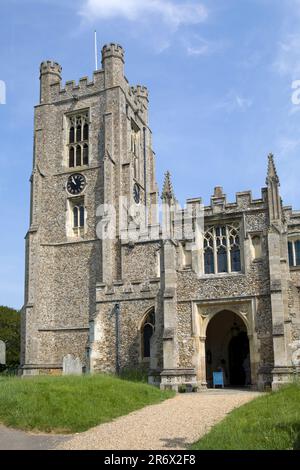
<point x="270" y="422"/>
<point x="71" y="404"/>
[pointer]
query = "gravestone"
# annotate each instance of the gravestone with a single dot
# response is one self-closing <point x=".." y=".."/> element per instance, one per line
<point x="72" y="365"/>
<point x="2" y="353"/>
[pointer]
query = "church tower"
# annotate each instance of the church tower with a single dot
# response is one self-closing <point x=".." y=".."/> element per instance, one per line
<point x="92" y="148"/>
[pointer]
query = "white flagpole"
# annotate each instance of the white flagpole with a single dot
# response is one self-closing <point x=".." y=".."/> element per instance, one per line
<point x="96" y="51"/>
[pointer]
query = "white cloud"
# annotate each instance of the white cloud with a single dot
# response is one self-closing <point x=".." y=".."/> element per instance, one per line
<point x="173" y="13"/>
<point x="288" y="59"/>
<point x="287" y="145"/>
<point x="243" y="103"/>
<point x="202" y="47"/>
<point x="234" y="102"/>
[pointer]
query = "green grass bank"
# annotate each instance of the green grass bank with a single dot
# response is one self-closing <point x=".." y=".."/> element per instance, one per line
<point x="270" y="422"/>
<point x="71" y="404"/>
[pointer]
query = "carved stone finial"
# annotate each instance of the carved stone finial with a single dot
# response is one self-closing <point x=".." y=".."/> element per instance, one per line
<point x="218" y="192"/>
<point x="168" y="192"/>
<point x="272" y="172"/>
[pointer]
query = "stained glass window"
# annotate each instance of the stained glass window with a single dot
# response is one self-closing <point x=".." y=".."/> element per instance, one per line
<point x="222" y="252"/>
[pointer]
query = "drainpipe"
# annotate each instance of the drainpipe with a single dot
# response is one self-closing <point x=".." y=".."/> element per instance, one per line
<point x="117" y="319"/>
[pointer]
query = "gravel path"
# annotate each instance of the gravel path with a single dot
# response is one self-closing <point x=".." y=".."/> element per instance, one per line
<point x="171" y="425"/>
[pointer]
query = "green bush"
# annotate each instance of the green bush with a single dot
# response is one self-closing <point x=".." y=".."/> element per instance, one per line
<point x="10" y="326"/>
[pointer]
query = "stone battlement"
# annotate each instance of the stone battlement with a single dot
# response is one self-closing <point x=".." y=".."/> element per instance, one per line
<point x="111" y="74"/>
<point x="140" y="91"/>
<point x="113" y="50"/>
<point x="244" y="201"/>
<point x="85" y="86"/>
<point x="49" y="66"/>
<point x="293" y="217"/>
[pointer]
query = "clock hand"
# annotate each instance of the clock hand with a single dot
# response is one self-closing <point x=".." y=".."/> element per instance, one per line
<point x="73" y="180"/>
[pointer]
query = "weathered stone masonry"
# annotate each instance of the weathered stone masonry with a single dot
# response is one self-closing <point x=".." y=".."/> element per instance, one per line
<point x="150" y="304"/>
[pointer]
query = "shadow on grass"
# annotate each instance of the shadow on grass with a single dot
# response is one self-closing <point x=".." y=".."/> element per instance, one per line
<point x="293" y="429"/>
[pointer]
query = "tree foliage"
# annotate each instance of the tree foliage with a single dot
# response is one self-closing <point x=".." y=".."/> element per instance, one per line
<point x="10" y="326"/>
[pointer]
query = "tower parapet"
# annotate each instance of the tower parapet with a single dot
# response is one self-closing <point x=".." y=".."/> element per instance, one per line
<point x="50" y="74"/>
<point x="113" y="64"/>
<point x="141" y="92"/>
<point x="141" y="98"/>
<point x="112" y="50"/>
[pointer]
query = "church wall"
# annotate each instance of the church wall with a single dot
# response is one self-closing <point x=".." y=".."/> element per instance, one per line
<point x="140" y="261"/>
<point x="65" y="270"/>
<point x="252" y="285"/>
<point x="133" y="308"/>
<point x="136" y="293"/>
<point x="54" y="345"/>
<point x="294" y="305"/>
<point x="186" y="345"/>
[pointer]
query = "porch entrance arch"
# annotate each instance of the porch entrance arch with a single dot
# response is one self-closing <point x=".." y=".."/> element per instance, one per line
<point x="227" y="349"/>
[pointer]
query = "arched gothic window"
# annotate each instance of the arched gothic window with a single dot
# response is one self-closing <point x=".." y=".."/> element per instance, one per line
<point x="222" y="249"/>
<point x="79" y="134"/>
<point x="294" y="252"/>
<point x="78" y="155"/>
<point x="222" y="260"/>
<point x="209" y="261"/>
<point x="85" y="154"/>
<point x="147" y="331"/>
<point x="81" y="216"/>
<point x="86" y="132"/>
<point x="75" y="217"/>
<point x="71" y="157"/>
<point x="235" y="254"/>
<point x="72" y="135"/>
<point x="78" y="218"/>
<point x="297" y="252"/>
<point x="135" y="148"/>
<point x="135" y="167"/>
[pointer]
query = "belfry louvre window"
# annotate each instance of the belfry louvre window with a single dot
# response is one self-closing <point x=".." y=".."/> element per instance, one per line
<point x="78" y="140"/>
<point x="222" y="252"/>
<point x="294" y="252"/>
<point x="135" y="148"/>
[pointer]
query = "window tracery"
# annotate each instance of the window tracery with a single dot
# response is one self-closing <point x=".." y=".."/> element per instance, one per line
<point x="222" y="252"/>
<point x="78" y="142"/>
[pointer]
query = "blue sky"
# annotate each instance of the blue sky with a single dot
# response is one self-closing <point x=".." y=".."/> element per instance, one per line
<point x="220" y="76"/>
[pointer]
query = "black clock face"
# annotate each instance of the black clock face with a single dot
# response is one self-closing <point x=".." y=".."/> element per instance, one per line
<point x="136" y="193"/>
<point x="76" y="184"/>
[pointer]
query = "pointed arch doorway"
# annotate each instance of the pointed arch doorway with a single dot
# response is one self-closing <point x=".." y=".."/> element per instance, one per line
<point x="227" y="348"/>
